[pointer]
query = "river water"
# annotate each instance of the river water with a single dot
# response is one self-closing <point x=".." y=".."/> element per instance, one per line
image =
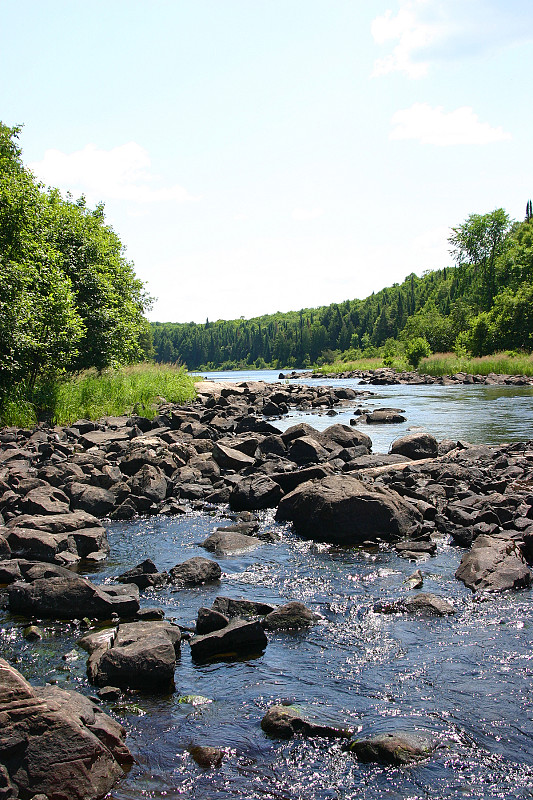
<point x="466" y="678"/>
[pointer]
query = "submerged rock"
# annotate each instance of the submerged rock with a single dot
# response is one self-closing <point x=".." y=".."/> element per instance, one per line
<point x="291" y="616"/>
<point x="286" y="721"/>
<point x="400" y="747"/>
<point x="424" y="602"/>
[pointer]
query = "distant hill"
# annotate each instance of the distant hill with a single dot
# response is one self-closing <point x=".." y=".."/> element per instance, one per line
<point x="483" y="304"/>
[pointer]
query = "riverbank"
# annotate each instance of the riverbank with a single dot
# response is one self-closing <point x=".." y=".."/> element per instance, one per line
<point x="386" y="376"/>
<point x="224" y="451"/>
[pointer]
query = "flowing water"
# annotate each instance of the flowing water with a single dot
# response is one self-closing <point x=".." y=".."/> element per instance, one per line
<point x="466" y="678"/>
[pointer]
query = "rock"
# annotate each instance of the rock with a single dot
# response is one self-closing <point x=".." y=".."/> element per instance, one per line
<point x="142" y="656"/>
<point x="236" y="638"/>
<point x="209" y="620"/>
<point x="494" y="564"/>
<point x="400" y="747"/>
<point x="305" y="450"/>
<point x="150" y="482"/>
<point x="228" y="543"/>
<point x="344" y="510"/>
<point x="32" y="633"/>
<point x="231" y="607"/>
<point x="92" y="499"/>
<point x="228" y="458"/>
<point x="45" y="499"/>
<point x="56" y="743"/>
<point x="255" y="492"/>
<point x="195" y="571"/>
<point x="414" y="548"/>
<point x="207" y="757"/>
<point x="291" y="616"/>
<point x="286" y="721"/>
<point x="416" y="446"/>
<point x="143" y="575"/>
<point x="344" y="436"/>
<point x="425" y="603"/>
<point x="290" y="480"/>
<point x="65" y="595"/>
<point x="387" y="416"/>
<point x="415" y="581"/>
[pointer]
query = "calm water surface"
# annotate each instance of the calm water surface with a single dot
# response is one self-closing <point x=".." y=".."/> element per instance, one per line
<point x="467" y="678"/>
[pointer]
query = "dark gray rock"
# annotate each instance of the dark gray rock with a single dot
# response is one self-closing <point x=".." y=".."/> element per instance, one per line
<point x="253" y="493"/>
<point x="228" y="458"/>
<point x="284" y="722"/>
<point x="92" y="499"/>
<point x="494" y="564"/>
<point x="141" y="656"/>
<point x="209" y="620"/>
<point x="225" y="543"/>
<point x="399" y="747"/>
<point x="424" y="603"/>
<point x="291" y="616"/>
<point x="143" y="575"/>
<point x="416" y="446"/>
<point x="236" y="638"/>
<point x="45" y="500"/>
<point x="150" y="482"/>
<point x="196" y="571"/>
<point x="231" y="607"/>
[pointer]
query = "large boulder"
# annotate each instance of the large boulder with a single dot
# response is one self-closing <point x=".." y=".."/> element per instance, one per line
<point x="416" y="446"/>
<point x="56" y="743"/>
<point x="141" y="656"/>
<point x="344" y="510"/>
<point x="399" y="747"/>
<point x="195" y="571"/>
<point x="291" y="616"/>
<point x="494" y="563"/>
<point x="284" y="722"/>
<point x="225" y="543"/>
<point x="60" y="538"/>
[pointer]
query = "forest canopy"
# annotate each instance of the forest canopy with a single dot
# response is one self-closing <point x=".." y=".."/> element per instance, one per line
<point x="69" y="299"/>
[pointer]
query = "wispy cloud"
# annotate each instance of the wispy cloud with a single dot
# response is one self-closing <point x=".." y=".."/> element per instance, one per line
<point x="433" y="125"/>
<point x="121" y="173"/>
<point x="305" y="214"/>
<point x="421" y="32"/>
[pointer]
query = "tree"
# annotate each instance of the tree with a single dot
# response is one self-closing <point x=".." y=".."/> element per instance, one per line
<point x="529" y="211"/>
<point x="416" y="350"/>
<point x="477" y="243"/>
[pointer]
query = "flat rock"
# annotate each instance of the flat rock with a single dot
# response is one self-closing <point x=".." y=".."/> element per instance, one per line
<point x="399" y="747"/>
<point x="285" y="721"/>
<point x="424" y="603"/>
<point x="230" y="542"/>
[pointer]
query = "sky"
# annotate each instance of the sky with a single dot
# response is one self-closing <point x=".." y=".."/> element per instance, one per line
<point x="257" y="156"/>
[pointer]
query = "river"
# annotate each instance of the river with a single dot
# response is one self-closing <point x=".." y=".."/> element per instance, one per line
<point x="466" y="678"/>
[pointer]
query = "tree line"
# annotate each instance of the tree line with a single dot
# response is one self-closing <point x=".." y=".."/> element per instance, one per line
<point x="482" y="303"/>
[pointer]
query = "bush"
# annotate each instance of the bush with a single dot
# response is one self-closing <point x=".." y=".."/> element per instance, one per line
<point x="416" y="350"/>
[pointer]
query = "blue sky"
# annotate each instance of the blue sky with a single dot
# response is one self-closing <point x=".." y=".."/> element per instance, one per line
<point x="265" y="155"/>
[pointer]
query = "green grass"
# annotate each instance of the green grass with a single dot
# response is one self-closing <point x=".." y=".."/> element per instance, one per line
<point x="497" y="363"/>
<point x="138" y="389"/>
<point x="348" y="366"/>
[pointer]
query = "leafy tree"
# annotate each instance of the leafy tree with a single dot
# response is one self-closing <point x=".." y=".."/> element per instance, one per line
<point x="416" y="350"/>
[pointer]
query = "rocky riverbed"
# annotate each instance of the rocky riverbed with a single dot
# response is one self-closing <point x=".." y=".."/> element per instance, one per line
<point x="224" y="452"/>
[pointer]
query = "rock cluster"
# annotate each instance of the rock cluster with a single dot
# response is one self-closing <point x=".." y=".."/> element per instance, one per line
<point x="385" y="376"/>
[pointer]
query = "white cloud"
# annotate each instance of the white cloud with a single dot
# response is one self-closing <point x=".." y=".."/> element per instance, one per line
<point x="305" y="214"/>
<point x="122" y="173"/>
<point x="424" y="31"/>
<point x="431" y="125"/>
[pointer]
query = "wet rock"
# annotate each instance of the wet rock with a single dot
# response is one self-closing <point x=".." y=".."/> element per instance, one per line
<point x="236" y="638"/>
<point x="225" y="543"/>
<point x="231" y="607"/>
<point x="424" y="603"/>
<point x="399" y="747"/>
<point x="209" y="620"/>
<point x="207" y="757"/>
<point x="143" y="575"/>
<point x="33" y="634"/>
<point x="415" y="581"/>
<point x="416" y="446"/>
<point x="284" y="722"/>
<point x="141" y="656"/>
<point x="494" y="564"/>
<point x="414" y="549"/>
<point x="196" y="571"/>
<point x="291" y="616"/>
<point x="56" y="743"/>
<point x="385" y="416"/>
<point x="344" y="510"/>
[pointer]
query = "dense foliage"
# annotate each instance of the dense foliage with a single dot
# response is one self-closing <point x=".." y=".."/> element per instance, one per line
<point x="483" y="303"/>
<point x="69" y="299"/>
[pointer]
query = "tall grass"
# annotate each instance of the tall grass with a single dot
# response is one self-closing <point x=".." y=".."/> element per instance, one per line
<point x="497" y="363"/>
<point x="136" y="389"/>
<point x="348" y="366"/>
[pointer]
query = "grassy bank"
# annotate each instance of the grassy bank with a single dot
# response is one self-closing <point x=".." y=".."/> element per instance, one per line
<point x="91" y="395"/>
<point x="348" y="366"/>
<point x="498" y="363"/>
